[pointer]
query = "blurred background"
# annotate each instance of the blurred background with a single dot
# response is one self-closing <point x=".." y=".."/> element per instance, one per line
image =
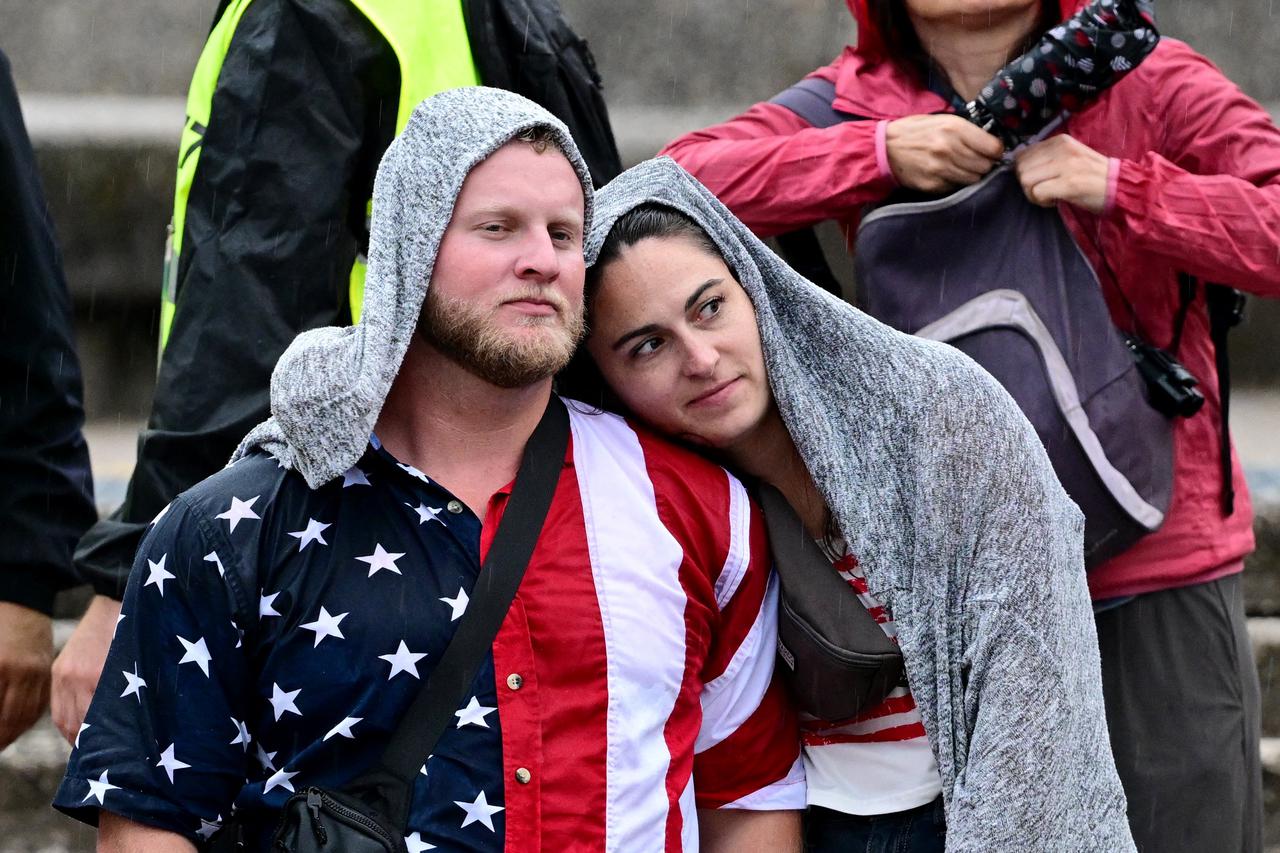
<point x="103" y="86"/>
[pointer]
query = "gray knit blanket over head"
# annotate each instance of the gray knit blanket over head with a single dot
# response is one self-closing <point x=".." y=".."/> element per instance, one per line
<point x="329" y="385"/>
<point x="945" y="494"/>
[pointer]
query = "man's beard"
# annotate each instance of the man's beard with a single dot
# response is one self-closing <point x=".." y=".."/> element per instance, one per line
<point x="467" y="334"/>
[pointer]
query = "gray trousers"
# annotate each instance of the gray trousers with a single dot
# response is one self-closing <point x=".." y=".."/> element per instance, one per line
<point x="1182" y="704"/>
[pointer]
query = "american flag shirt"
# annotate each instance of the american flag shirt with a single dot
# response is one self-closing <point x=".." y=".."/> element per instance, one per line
<point x="272" y="635"/>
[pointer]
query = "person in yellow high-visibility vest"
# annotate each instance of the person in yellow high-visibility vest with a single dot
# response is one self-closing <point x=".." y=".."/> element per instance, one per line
<point x="290" y="109"/>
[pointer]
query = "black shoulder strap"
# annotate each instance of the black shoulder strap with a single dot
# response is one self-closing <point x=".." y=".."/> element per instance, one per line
<point x="812" y="99"/>
<point x="1225" y="306"/>
<point x="386" y="786"/>
<point x="1226" y="311"/>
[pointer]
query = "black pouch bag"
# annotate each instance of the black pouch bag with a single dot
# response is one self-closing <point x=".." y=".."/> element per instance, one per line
<point x="368" y="815"/>
<point x="839" y="661"/>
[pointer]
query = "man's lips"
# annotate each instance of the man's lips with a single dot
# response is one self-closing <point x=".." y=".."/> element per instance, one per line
<point x="714" y="394"/>
<point x="533" y="305"/>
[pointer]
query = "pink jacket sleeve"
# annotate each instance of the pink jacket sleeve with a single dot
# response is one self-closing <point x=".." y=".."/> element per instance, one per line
<point x="778" y="173"/>
<point x="1208" y="197"/>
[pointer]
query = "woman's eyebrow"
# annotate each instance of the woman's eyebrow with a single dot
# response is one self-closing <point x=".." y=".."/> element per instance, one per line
<point x="697" y="294"/>
<point x="635" y="333"/>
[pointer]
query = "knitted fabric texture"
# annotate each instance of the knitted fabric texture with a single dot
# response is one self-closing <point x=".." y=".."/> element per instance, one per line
<point x="330" y="384"/>
<point x="944" y="492"/>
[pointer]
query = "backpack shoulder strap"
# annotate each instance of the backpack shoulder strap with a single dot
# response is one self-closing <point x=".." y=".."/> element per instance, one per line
<point x="812" y="99"/>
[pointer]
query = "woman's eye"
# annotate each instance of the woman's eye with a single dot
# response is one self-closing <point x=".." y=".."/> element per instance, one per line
<point x="710" y="308"/>
<point x="647" y="346"/>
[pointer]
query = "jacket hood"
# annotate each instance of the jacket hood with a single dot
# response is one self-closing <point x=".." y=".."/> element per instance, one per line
<point x="871" y="44"/>
<point x="330" y="384"/>
<point x="869" y="84"/>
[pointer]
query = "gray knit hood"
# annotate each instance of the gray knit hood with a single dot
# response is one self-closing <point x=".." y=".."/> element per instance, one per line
<point x="329" y="385"/>
<point x="946" y="496"/>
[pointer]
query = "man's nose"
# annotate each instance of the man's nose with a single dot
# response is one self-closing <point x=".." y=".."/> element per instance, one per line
<point x="538" y="259"/>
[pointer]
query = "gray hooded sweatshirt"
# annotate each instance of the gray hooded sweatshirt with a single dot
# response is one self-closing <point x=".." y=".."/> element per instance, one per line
<point x="329" y="385"/>
<point x="944" y="492"/>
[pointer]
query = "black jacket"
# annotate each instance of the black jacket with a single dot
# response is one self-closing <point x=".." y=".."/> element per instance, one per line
<point x="46" y="492"/>
<point x="305" y="104"/>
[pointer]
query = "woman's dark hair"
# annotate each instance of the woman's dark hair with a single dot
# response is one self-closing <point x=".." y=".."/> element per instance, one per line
<point x="581" y="380"/>
<point x="898" y="34"/>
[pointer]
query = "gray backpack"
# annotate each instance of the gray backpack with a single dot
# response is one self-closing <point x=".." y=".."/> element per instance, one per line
<point x="1002" y="280"/>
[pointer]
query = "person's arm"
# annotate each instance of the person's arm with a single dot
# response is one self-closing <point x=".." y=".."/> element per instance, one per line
<point x="1208" y="199"/>
<point x="272" y="224"/>
<point x="742" y="831"/>
<point x="778" y="173"/>
<point x="47" y="498"/>
<point x="121" y="835"/>
<point x="158" y="745"/>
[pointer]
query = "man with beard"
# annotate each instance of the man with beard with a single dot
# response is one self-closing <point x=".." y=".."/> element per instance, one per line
<point x="282" y="615"/>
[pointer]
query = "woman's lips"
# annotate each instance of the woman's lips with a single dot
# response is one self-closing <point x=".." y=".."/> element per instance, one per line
<point x="716" y="395"/>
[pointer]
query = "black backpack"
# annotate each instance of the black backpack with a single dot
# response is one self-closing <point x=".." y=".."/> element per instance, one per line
<point x="527" y="47"/>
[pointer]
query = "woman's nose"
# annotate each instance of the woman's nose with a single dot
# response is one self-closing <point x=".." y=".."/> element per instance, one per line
<point x="701" y="358"/>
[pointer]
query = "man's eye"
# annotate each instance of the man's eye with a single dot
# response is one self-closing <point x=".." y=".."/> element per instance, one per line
<point x="493" y="227"/>
<point x="562" y="236"/>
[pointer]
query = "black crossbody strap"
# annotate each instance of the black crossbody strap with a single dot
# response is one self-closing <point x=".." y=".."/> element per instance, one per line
<point x="451" y="681"/>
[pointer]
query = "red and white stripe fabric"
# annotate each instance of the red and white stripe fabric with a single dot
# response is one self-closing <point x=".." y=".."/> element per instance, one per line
<point x="644" y="634"/>
<point x="880" y="761"/>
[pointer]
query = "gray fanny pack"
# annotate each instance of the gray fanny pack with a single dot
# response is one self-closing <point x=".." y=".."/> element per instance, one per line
<point x="838" y="661"/>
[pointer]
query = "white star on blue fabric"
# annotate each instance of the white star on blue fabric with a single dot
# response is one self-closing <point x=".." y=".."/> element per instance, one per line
<point x="266" y="759"/>
<point x="344" y="728"/>
<point x="353" y="476"/>
<point x="267" y="605"/>
<point x="413" y="472"/>
<point x="209" y="827"/>
<point x="427" y="513"/>
<point x="282" y="701"/>
<point x="473" y="714"/>
<point x="242" y="735"/>
<point x="381" y="559"/>
<point x="158" y="574"/>
<point x="415" y="843"/>
<point x="83" y="726"/>
<point x="197" y="653"/>
<point x="239" y="511"/>
<point x="99" y="788"/>
<point x="458" y="604"/>
<point x="170" y="762"/>
<point x="280" y="779"/>
<point x="326" y="625"/>
<point x="403" y="660"/>
<point x="160" y="514"/>
<point x="478" y="812"/>
<point x="312" y="533"/>
<point x="135" y="684"/>
<point x="212" y="557"/>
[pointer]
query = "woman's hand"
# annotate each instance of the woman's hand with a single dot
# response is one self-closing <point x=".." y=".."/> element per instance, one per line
<point x="1062" y="168"/>
<point x="939" y="153"/>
